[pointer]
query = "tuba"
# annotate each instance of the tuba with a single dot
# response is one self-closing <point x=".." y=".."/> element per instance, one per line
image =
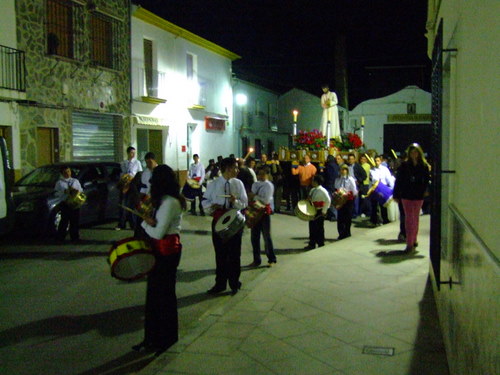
<point x="75" y="199"/>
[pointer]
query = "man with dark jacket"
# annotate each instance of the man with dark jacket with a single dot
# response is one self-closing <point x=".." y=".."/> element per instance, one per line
<point x="330" y="173"/>
<point x="359" y="174"/>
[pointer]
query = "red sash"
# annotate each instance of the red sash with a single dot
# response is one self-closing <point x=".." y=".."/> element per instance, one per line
<point x="168" y="245"/>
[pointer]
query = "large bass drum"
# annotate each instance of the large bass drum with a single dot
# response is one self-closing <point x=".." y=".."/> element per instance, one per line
<point x="230" y="223"/>
<point x="131" y="259"/>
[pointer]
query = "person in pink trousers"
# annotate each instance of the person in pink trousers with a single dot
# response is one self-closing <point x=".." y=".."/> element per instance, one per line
<point x="412" y="180"/>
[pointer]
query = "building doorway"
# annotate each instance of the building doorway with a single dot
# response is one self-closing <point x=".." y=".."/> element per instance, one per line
<point x="150" y="140"/>
<point x="47" y="146"/>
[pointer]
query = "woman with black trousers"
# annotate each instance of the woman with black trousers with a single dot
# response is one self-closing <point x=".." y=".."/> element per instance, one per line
<point x="411" y="184"/>
<point x="161" y="322"/>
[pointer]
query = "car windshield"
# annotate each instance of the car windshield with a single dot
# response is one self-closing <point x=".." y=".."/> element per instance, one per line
<point x="45" y="176"/>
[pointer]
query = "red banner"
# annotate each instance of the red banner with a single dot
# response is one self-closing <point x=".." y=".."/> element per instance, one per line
<point x="213" y="123"/>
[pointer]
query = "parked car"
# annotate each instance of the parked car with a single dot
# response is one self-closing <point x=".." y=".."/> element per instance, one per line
<point x="6" y="203"/>
<point x="37" y="208"/>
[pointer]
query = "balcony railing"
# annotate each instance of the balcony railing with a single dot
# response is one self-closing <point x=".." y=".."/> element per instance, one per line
<point x="12" y="69"/>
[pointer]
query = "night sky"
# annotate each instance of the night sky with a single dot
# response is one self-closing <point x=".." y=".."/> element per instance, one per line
<point x="292" y="43"/>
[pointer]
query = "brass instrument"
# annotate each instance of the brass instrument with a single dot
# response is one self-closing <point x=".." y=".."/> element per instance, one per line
<point x="76" y="198"/>
<point x="124" y="183"/>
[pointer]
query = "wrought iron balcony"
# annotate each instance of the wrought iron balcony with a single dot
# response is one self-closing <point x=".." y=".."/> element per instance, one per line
<point x="12" y="69"/>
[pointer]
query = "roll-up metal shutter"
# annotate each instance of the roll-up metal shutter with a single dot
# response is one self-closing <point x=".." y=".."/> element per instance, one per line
<point x="96" y="137"/>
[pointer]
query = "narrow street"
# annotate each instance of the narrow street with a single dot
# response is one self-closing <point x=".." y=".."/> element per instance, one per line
<point x="64" y="314"/>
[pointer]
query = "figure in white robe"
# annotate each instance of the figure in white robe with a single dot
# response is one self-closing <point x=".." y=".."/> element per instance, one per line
<point x="330" y="113"/>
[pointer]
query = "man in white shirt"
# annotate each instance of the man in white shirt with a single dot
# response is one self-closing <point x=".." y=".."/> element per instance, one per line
<point x="151" y="164"/>
<point x="383" y="175"/>
<point x="129" y="168"/>
<point x="197" y="172"/>
<point x="320" y="198"/>
<point x="64" y="187"/>
<point x="263" y="191"/>
<point x="345" y="184"/>
<point x="224" y="193"/>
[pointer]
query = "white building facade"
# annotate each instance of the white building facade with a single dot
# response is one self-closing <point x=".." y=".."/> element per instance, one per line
<point x="256" y="119"/>
<point x="464" y="44"/>
<point x="182" y="100"/>
<point x="394" y="121"/>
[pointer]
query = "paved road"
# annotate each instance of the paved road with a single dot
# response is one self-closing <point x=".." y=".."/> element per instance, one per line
<point x="62" y="313"/>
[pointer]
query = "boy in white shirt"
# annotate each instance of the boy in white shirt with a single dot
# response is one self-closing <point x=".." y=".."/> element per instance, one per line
<point x="320" y="198"/>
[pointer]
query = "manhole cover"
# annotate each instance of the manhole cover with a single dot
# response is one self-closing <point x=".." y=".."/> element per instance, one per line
<point x="378" y="350"/>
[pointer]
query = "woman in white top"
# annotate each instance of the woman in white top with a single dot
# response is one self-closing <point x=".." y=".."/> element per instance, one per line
<point x="161" y="322"/>
<point x="345" y="186"/>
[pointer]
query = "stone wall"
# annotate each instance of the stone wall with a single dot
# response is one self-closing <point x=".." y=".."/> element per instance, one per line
<point x="56" y="86"/>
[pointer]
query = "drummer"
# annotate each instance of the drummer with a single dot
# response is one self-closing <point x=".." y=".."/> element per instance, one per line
<point x="379" y="173"/>
<point x="344" y="219"/>
<point x="197" y="173"/>
<point x="161" y="319"/>
<point x="320" y="198"/>
<point x="223" y="194"/>
<point x="263" y="191"/>
<point x="64" y="186"/>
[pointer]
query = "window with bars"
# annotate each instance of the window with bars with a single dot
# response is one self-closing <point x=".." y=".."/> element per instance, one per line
<point x="105" y="33"/>
<point x="64" y="29"/>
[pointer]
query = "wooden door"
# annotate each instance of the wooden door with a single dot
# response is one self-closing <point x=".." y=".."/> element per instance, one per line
<point x="156" y="144"/>
<point x="47" y="146"/>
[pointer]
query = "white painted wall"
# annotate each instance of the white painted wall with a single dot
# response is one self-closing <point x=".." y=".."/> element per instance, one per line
<point x="254" y="116"/>
<point x="212" y="68"/>
<point x="375" y="112"/>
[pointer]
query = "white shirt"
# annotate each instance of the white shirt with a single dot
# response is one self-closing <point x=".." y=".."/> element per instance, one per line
<point x="320" y="194"/>
<point x="218" y="187"/>
<point x="64" y="184"/>
<point x="145" y="177"/>
<point x="131" y="167"/>
<point x="348" y="183"/>
<point x="197" y="170"/>
<point x="264" y="191"/>
<point x="252" y="172"/>
<point x="168" y="219"/>
<point x="383" y="175"/>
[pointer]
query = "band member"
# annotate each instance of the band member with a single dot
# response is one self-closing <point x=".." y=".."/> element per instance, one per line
<point x="151" y="164"/>
<point x="161" y="321"/>
<point x="65" y="187"/>
<point x="129" y="168"/>
<point x="320" y="198"/>
<point x="382" y="174"/>
<point x="306" y="172"/>
<point x="359" y="174"/>
<point x="197" y="173"/>
<point x="345" y="185"/>
<point x="263" y="191"/>
<point x="222" y="194"/>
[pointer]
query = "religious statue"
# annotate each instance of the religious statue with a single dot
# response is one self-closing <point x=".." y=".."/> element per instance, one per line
<point x="330" y="113"/>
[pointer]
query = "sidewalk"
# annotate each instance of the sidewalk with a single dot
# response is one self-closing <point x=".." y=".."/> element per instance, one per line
<point x="319" y="312"/>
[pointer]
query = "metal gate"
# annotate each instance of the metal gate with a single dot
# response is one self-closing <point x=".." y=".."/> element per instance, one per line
<point x="96" y="137"/>
<point x="436" y="152"/>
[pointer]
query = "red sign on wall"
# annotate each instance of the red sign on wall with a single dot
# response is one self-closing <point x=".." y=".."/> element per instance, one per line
<point x="213" y="123"/>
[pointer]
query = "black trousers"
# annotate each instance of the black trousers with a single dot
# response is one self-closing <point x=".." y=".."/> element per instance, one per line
<point x="161" y="322"/>
<point x="198" y="194"/>
<point x="69" y="216"/>
<point x="227" y="259"/>
<point x="317" y="231"/>
<point x="344" y="219"/>
<point x="374" y="217"/>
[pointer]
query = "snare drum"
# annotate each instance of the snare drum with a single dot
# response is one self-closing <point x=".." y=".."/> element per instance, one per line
<point x="255" y="211"/>
<point x="305" y="210"/>
<point x="189" y="192"/>
<point x="230" y="223"/>
<point x="131" y="259"/>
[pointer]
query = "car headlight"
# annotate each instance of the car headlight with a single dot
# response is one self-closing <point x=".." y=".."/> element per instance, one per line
<point x="27" y="206"/>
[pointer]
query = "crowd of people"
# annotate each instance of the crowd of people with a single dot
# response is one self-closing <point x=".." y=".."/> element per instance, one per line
<point x="338" y="191"/>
